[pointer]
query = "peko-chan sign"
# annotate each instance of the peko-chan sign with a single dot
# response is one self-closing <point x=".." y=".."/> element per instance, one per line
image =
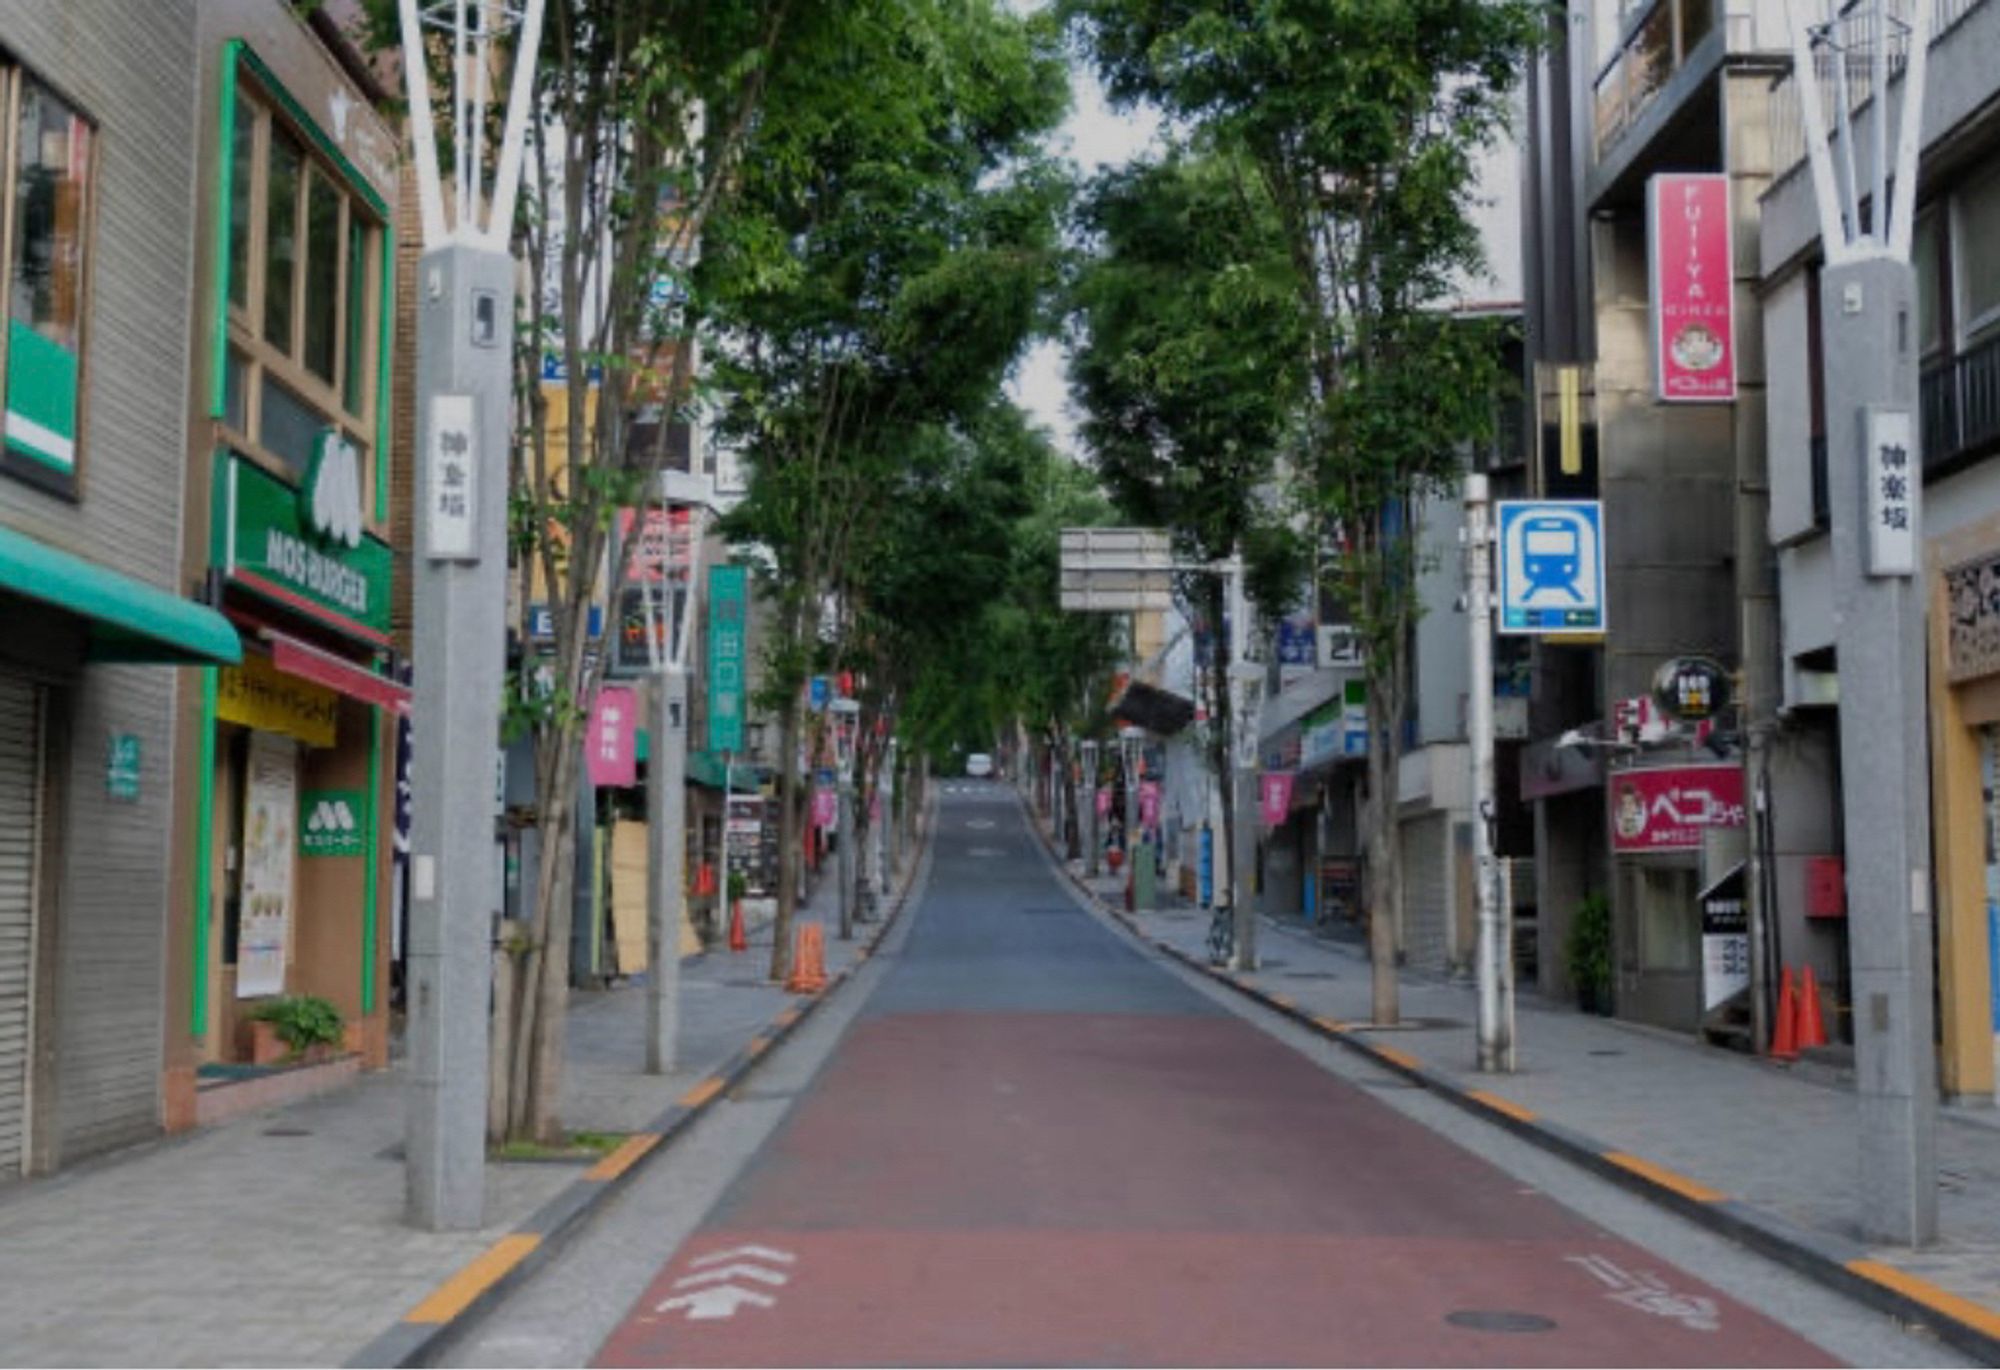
<point x="1689" y="252"/>
<point x="1669" y="807"/>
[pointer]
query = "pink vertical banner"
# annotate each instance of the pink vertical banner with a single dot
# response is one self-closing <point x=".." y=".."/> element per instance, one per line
<point x="1275" y="793"/>
<point x="612" y="751"/>
<point x="826" y="808"/>
<point x="1693" y="283"/>
<point x="1104" y="802"/>
<point x="1149" y="804"/>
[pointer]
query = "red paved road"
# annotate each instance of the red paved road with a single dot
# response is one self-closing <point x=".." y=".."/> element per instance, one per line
<point x="1037" y="1147"/>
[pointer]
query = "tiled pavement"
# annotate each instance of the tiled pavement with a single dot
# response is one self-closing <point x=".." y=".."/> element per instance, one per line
<point x="277" y="1238"/>
<point x="1777" y="1137"/>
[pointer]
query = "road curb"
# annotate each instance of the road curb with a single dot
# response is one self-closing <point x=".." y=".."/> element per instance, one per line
<point x="457" y="1303"/>
<point x="1834" y="1262"/>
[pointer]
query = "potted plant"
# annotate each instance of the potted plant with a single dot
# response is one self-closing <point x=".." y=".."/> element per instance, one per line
<point x="308" y="1025"/>
<point x="1588" y="953"/>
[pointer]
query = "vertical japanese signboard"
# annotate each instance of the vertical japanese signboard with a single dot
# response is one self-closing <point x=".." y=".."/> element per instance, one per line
<point x="1890" y="501"/>
<point x="448" y="521"/>
<point x="270" y="815"/>
<point x="1725" y="941"/>
<point x="1275" y="796"/>
<point x="612" y="750"/>
<point x="728" y="602"/>
<point x="1693" y="324"/>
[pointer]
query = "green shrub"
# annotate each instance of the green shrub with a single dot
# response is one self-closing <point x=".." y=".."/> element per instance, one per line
<point x="301" y="1021"/>
<point x="1589" y="952"/>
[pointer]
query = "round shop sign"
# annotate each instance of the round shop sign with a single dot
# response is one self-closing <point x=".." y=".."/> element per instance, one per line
<point x="1691" y="688"/>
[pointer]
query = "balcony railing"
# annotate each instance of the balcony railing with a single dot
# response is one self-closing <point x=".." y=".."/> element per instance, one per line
<point x="1959" y="406"/>
<point x="1654" y="48"/>
<point x="1855" y="38"/>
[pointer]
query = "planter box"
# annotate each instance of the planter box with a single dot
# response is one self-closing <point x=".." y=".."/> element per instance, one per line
<point x="215" y="1103"/>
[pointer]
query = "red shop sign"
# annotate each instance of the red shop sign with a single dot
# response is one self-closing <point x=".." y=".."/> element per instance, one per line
<point x="1666" y="809"/>
<point x="1688" y="243"/>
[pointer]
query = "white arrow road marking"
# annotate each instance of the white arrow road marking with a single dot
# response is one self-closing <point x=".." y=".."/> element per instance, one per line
<point x="716" y="1301"/>
<point x="762" y="1253"/>
<point x="1648" y="1293"/>
<point x="730" y="1272"/>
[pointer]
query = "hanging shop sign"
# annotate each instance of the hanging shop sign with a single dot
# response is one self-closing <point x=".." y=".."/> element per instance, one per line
<point x="1149" y="803"/>
<point x="665" y="548"/>
<point x="270" y="813"/>
<point x="1274" y="792"/>
<point x="612" y="752"/>
<point x="1691" y="688"/>
<point x="300" y="550"/>
<point x="826" y="809"/>
<point x="258" y="695"/>
<point x="1667" y="808"/>
<point x="1689" y="251"/>
<point x="728" y="605"/>
<point x="1725" y="940"/>
<point x="330" y="822"/>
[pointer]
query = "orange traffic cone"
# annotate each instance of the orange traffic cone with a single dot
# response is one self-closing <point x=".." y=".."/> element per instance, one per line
<point x="808" y="961"/>
<point x="738" y="941"/>
<point x="1812" y="1028"/>
<point x="1784" y="1034"/>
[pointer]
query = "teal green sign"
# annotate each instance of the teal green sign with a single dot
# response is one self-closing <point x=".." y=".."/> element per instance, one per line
<point x="331" y="823"/>
<point x="728" y="612"/>
<point x="305" y="553"/>
<point x="121" y="767"/>
<point x="41" y="399"/>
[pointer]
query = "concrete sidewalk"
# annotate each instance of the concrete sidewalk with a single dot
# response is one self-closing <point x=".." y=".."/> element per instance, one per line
<point x="1779" y="1139"/>
<point x="277" y="1238"/>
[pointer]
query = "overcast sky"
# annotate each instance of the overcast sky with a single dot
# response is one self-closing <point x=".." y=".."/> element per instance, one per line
<point x="1095" y="136"/>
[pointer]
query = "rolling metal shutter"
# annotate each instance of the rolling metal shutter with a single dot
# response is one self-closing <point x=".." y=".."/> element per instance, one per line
<point x="1426" y="890"/>
<point x="18" y="832"/>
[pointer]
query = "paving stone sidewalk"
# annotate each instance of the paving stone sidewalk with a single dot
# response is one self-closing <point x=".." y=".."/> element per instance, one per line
<point x="277" y="1238"/>
<point x="1774" y="1136"/>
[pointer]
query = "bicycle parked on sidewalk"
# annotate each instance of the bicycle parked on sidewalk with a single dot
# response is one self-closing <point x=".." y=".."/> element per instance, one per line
<point x="1221" y="935"/>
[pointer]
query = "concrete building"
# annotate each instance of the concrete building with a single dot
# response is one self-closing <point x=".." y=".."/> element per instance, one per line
<point x="1957" y="256"/>
<point x="98" y="110"/>
<point x="1631" y="89"/>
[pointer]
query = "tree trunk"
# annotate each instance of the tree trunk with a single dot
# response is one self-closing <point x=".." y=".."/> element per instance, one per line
<point x="551" y="989"/>
<point x="788" y="839"/>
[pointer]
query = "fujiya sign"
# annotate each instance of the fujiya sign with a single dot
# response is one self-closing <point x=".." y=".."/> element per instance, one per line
<point x="306" y="548"/>
<point x="1688" y="239"/>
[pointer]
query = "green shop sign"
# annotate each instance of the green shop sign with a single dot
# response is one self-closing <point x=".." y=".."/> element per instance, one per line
<point x="304" y="548"/>
<point x="728" y="600"/>
<point x="330" y="823"/>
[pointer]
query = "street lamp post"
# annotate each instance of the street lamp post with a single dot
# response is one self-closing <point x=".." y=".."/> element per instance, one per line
<point x="1496" y="1009"/>
<point x="1092" y="848"/>
<point x="1131" y="741"/>
<point x="465" y="337"/>
<point x="1246" y="684"/>
<point x="845" y="713"/>
<point x="1868" y="304"/>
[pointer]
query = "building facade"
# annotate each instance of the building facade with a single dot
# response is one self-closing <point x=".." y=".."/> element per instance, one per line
<point x="99" y="108"/>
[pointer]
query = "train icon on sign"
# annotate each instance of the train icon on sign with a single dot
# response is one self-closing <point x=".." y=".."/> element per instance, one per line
<point x="1550" y="572"/>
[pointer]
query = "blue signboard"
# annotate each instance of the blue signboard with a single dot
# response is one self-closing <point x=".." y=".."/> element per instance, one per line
<point x="1549" y="566"/>
<point x="1298" y="640"/>
<point x="820" y="691"/>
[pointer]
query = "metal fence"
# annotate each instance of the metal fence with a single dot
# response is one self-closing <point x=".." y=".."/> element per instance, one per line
<point x="1959" y="403"/>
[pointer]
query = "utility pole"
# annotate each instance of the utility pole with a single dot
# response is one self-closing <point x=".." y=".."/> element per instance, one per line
<point x="464" y="373"/>
<point x="1092" y="847"/>
<point x="845" y="712"/>
<point x="1246" y="682"/>
<point x="1496" y="1010"/>
<point x="1874" y="484"/>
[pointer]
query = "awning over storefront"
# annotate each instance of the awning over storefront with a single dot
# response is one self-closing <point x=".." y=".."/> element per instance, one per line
<point x="129" y="619"/>
<point x="307" y="662"/>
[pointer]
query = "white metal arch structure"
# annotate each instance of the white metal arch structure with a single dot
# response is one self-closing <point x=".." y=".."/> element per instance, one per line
<point x="474" y="26"/>
<point x="1862" y="30"/>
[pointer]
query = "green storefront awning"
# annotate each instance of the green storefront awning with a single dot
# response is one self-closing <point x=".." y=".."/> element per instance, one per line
<point x="129" y="620"/>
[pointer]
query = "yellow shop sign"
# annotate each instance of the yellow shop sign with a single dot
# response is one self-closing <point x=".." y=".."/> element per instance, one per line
<point x="259" y="695"/>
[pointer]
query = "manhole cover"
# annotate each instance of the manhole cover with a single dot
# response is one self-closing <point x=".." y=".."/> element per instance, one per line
<point x="1310" y="975"/>
<point x="1499" y="1320"/>
<point x="1388" y="1084"/>
<point x="285" y="1131"/>
<point x="984" y="851"/>
<point x="1607" y="1051"/>
<point x="1044" y="913"/>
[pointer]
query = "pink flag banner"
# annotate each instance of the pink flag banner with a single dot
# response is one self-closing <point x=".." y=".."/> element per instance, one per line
<point x="1275" y="792"/>
<point x="612" y="753"/>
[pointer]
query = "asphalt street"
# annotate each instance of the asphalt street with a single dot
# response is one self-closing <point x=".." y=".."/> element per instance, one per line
<point x="1027" y="1141"/>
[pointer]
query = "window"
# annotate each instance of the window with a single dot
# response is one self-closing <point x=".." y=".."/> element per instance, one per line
<point x="1976" y="247"/>
<point x="1925" y="248"/>
<point x="51" y="151"/>
<point x="304" y="250"/>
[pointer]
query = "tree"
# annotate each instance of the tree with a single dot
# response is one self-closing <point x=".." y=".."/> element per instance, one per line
<point x="1188" y="364"/>
<point x="1363" y="118"/>
<point x="878" y="270"/>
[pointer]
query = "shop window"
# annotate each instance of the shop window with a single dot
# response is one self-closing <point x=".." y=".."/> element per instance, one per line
<point x="302" y="258"/>
<point x="47" y="207"/>
<point x="1977" y="250"/>
<point x="1926" y="249"/>
<point x="1669" y="928"/>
